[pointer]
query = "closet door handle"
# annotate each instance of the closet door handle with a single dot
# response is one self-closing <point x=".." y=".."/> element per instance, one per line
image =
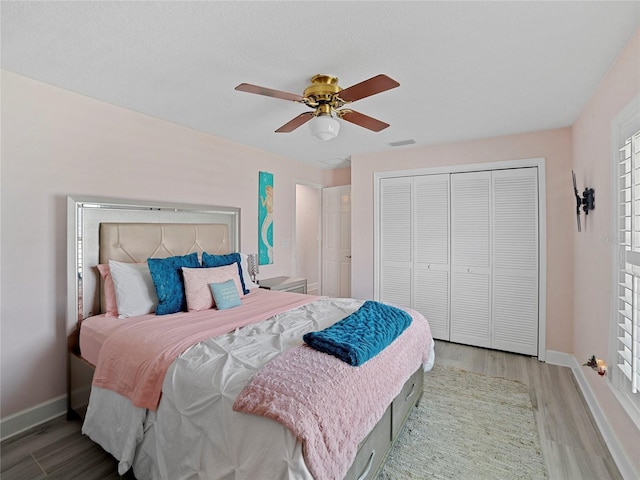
<point x="468" y="270"/>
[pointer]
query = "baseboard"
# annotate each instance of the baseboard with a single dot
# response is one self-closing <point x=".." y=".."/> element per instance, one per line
<point x="32" y="417"/>
<point x="559" y="358"/>
<point x="619" y="456"/>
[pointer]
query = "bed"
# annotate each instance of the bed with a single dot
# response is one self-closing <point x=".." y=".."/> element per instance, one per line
<point x="196" y="426"/>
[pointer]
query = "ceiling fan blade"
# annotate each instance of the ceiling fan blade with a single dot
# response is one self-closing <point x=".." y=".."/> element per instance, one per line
<point x="379" y="83"/>
<point x="362" y="120"/>
<point x="269" y="92"/>
<point x="291" y="125"/>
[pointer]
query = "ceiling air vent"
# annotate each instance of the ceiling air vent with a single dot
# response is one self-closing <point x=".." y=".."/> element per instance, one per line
<point x="402" y="143"/>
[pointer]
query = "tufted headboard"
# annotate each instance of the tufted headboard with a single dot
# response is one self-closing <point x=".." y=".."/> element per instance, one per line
<point x="101" y="229"/>
<point x="135" y="242"/>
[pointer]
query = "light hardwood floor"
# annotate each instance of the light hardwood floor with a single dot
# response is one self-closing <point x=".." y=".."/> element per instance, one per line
<point x="572" y="446"/>
<point x="571" y="443"/>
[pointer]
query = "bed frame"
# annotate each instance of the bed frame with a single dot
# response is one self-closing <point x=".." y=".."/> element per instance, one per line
<point x="101" y="229"/>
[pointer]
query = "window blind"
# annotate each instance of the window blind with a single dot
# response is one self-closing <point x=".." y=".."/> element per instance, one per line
<point x="628" y="311"/>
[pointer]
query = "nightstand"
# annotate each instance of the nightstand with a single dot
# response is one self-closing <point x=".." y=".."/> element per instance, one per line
<point x="285" y="284"/>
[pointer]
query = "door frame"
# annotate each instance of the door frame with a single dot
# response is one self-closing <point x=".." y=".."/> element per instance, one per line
<point x="294" y="256"/>
<point x="538" y="162"/>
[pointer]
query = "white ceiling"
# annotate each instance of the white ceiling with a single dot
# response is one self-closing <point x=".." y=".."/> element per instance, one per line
<point x="466" y="69"/>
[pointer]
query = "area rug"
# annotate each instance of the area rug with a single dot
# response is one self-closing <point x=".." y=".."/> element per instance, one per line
<point x="468" y="426"/>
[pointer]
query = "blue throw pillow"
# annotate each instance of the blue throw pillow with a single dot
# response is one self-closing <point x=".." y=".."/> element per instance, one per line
<point x="225" y="294"/>
<point x="167" y="278"/>
<point x="209" y="260"/>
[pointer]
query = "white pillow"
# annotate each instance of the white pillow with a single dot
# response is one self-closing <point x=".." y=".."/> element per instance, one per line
<point x="135" y="291"/>
<point x="248" y="283"/>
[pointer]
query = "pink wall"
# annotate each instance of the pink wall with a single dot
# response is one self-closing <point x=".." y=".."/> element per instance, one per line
<point x="57" y="143"/>
<point x="553" y="145"/>
<point x="592" y="293"/>
<point x="337" y="177"/>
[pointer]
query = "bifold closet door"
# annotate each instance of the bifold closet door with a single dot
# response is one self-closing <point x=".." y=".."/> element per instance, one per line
<point x="431" y="265"/>
<point x="515" y="260"/>
<point x="471" y="258"/>
<point x="396" y="241"/>
<point x="463" y="250"/>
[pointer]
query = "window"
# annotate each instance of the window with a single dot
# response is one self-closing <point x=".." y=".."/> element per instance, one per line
<point x="628" y="360"/>
<point x="625" y="341"/>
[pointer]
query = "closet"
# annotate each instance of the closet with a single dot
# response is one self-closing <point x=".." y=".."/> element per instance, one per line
<point x="463" y="249"/>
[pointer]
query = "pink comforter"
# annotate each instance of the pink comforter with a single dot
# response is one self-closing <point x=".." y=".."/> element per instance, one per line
<point x="329" y="405"/>
<point x="133" y="361"/>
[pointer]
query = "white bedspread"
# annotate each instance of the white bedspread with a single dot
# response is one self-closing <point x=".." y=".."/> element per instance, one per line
<point x="195" y="434"/>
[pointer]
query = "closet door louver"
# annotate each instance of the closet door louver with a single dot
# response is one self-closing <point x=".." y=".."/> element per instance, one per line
<point x="471" y="226"/>
<point x="515" y="260"/>
<point x="396" y="263"/>
<point x="431" y="266"/>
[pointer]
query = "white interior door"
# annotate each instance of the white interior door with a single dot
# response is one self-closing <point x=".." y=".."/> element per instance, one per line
<point x="431" y="251"/>
<point x="396" y="231"/>
<point x="515" y="260"/>
<point x="336" y="241"/>
<point x="471" y="258"/>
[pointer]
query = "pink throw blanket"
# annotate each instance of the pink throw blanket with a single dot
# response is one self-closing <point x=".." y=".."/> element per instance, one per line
<point x="329" y="405"/>
<point x="133" y="361"/>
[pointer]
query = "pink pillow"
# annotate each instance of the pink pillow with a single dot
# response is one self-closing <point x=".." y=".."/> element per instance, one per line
<point x="109" y="293"/>
<point x="197" y="280"/>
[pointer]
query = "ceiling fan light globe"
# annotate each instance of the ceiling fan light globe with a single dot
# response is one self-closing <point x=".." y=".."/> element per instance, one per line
<point x="324" y="127"/>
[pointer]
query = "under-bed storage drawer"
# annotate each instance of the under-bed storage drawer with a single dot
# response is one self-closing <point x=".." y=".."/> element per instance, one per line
<point x="372" y="450"/>
<point x="407" y="398"/>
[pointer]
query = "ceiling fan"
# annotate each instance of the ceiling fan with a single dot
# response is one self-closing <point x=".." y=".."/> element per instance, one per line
<point x="326" y="98"/>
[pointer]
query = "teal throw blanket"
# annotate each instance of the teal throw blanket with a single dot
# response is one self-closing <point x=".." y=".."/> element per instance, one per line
<point x="361" y="335"/>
